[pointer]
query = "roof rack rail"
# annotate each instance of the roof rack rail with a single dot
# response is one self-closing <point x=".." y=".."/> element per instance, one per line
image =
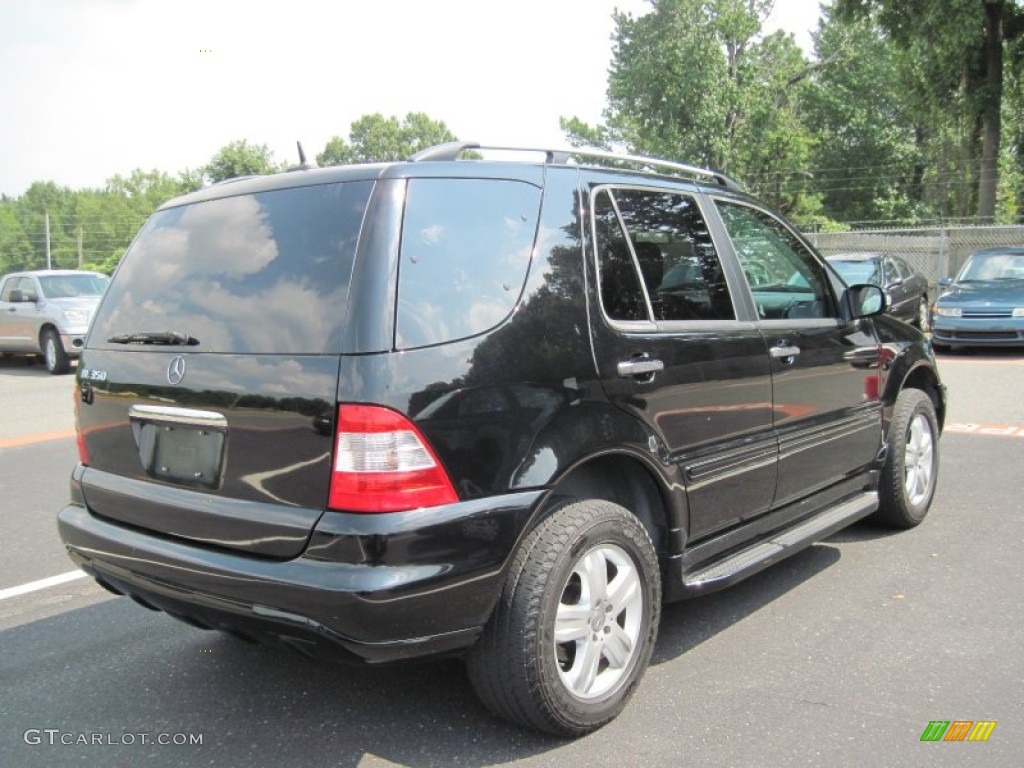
<point x="233" y="179"/>
<point x="452" y="150"/>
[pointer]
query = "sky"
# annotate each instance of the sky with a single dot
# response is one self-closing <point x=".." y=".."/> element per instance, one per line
<point x="93" y="88"/>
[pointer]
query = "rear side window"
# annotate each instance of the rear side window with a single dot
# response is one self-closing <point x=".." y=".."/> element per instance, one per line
<point x="621" y="294"/>
<point x="265" y="273"/>
<point x="899" y="269"/>
<point x="466" y="247"/>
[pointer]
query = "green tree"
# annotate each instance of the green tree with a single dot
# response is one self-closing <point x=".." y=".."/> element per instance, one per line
<point x="581" y="134"/>
<point x="240" y="158"/>
<point x="960" y="47"/>
<point x="1010" y="194"/>
<point x="44" y="200"/>
<point x="697" y="81"/>
<point x="93" y="227"/>
<point x="108" y="219"/>
<point x="15" y="248"/>
<point x="868" y="162"/>
<point x="375" y="138"/>
<point x="771" y="144"/>
<point x="147" y="190"/>
<point x="189" y="180"/>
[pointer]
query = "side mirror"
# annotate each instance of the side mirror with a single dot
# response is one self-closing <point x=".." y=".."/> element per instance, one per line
<point x="867" y="300"/>
<point x="945" y="282"/>
<point x="17" y="297"/>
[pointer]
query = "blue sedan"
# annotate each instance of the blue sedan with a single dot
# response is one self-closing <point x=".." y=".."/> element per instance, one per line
<point x="984" y="305"/>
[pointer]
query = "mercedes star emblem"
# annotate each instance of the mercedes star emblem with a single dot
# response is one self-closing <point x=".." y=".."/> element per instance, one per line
<point x="176" y="370"/>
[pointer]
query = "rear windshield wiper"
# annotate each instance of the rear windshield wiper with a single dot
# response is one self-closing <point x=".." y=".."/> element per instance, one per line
<point x="170" y="338"/>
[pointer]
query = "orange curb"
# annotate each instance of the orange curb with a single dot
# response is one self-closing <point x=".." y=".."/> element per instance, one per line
<point x="15" y="442"/>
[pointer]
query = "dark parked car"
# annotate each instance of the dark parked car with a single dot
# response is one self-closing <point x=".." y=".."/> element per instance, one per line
<point x="501" y="409"/>
<point x="906" y="288"/>
<point x="984" y="305"/>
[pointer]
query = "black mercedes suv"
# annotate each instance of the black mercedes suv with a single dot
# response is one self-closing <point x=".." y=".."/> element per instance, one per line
<point x="499" y="408"/>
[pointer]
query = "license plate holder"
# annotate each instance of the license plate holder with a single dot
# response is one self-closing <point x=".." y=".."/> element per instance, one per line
<point x="182" y="454"/>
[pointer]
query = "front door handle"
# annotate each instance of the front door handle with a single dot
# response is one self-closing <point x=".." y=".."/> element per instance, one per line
<point x="784" y="353"/>
<point x="640" y="367"/>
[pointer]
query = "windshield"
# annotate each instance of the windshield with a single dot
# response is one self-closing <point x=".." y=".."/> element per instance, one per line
<point x="992" y="266"/>
<point x="72" y="286"/>
<point x="857" y="272"/>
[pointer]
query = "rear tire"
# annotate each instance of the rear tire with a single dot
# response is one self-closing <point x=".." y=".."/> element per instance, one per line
<point x="911" y="467"/>
<point x="575" y="624"/>
<point x="54" y="356"/>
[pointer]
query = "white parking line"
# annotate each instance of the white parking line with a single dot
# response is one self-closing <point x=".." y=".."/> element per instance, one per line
<point x="33" y="586"/>
<point x="1001" y="430"/>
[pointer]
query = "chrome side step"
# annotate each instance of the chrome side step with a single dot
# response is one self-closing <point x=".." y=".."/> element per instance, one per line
<point x="739" y="565"/>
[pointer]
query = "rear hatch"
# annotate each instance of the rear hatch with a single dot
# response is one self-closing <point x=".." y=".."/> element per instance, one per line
<point x="208" y="383"/>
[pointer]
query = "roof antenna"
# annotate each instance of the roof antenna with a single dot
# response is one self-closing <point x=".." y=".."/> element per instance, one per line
<point x="304" y="164"/>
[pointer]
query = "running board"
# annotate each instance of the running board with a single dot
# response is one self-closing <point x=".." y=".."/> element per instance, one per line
<point x="739" y="565"/>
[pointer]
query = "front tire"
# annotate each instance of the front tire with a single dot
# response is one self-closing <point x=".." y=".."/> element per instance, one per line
<point x="54" y="356"/>
<point x="911" y="467"/>
<point x="576" y="622"/>
<point x="923" y="319"/>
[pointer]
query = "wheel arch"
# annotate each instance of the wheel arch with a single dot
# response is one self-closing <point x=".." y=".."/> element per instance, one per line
<point x="920" y="376"/>
<point x="907" y="362"/>
<point x="46" y="326"/>
<point x="626" y="479"/>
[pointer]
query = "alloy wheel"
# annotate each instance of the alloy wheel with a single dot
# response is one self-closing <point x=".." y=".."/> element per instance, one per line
<point x="598" y="622"/>
<point x="919" y="460"/>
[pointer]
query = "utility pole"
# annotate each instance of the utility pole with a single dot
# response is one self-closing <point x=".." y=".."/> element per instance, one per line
<point x="48" y="240"/>
<point x="79" y="246"/>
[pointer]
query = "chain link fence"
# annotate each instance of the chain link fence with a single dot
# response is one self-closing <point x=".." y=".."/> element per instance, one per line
<point x="934" y="252"/>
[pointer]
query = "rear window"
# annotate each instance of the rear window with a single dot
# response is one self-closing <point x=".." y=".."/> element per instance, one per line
<point x="857" y="272"/>
<point x="266" y="273"/>
<point x="466" y="246"/>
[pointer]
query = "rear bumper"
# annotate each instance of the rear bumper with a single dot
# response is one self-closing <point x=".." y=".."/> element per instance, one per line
<point x="368" y="587"/>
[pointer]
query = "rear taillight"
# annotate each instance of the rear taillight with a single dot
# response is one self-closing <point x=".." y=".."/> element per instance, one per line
<point x="382" y="463"/>
<point x="83" y="454"/>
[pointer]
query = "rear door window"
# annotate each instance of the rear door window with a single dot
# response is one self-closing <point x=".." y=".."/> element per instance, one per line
<point x="266" y="273"/>
<point x="622" y="295"/>
<point x="656" y="258"/>
<point x="465" y="254"/>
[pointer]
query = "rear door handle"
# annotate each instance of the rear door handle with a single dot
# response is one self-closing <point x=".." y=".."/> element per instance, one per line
<point x="639" y="367"/>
